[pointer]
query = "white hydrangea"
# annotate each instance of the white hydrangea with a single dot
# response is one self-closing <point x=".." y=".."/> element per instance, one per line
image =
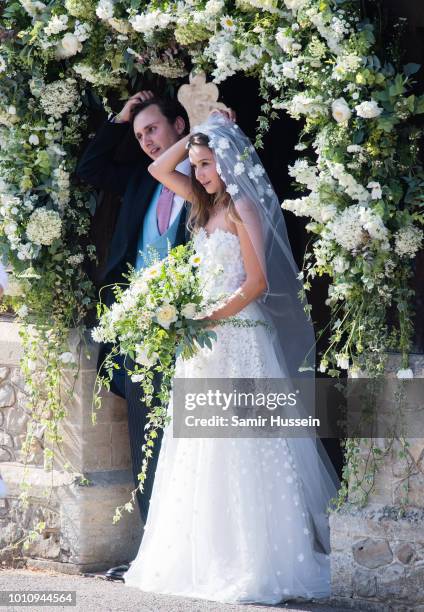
<point x="105" y="9"/>
<point x="305" y="174"/>
<point x="311" y="206"/>
<point x="345" y="65"/>
<point x="221" y="50"/>
<point x="44" y="226"/>
<point x="355" y="226"/>
<point x="3" y="64"/>
<point x="287" y="42"/>
<point x="57" y="24"/>
<point x="82" y="31"/>
<point x="213" y="7"/>
<point x="291" y="68"/>
<point x="302" y="104"/>
<point x="148" y="22"/>
<point x="350" y="186"/>
<point x="368" y="110"/>
<point x="34" y="9"/>
<point x="96" y="77"/>
<point x="408" y="241"/>
<point x="59" y="97"/>
<point x="330" y="35"/>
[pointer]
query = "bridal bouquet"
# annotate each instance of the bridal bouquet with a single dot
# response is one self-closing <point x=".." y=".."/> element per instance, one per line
<point x="156" y="318"/>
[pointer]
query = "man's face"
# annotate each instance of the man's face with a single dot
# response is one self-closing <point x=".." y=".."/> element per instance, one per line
<point x="154" y="132"/>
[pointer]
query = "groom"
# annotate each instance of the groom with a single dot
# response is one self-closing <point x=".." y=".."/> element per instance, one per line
<point x="150" y="216"/>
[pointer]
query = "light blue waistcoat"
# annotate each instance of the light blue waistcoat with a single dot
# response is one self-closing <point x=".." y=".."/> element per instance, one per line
<point x="150" y="236"/>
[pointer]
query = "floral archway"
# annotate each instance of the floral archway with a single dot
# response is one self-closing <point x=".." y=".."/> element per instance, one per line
<point x="317" y="60"/>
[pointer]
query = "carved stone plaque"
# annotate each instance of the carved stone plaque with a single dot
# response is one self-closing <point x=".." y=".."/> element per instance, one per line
<point x="199" y="98"/>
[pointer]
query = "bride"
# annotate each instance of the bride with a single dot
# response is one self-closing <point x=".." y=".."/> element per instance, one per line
<point x="238" y="520"/>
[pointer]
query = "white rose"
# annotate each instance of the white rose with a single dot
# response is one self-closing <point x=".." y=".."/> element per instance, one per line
<point x="340" y="110"/>
<point x="166" y="315"/>
<point x="189" y="310"/>
<point x="34" y="140"/>
<point x="68" y="46"/>
<point x="12" y="110"/>
<point x="368" y="110"/>
<point x="71" y="43"/>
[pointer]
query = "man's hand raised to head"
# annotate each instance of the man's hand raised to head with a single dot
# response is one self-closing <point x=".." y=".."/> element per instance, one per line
<point x="126" y="113"/>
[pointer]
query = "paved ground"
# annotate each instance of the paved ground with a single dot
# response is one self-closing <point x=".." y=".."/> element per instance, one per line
<point x="98" y="595"/>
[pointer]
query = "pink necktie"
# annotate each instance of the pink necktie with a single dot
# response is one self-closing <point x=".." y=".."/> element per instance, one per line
<point x="163" y="209"/>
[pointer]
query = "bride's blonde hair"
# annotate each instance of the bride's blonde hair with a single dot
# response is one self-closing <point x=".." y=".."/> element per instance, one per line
<point x="203" y="202"/>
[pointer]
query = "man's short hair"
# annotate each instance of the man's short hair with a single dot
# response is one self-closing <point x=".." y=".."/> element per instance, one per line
<point x="169" y="107"/>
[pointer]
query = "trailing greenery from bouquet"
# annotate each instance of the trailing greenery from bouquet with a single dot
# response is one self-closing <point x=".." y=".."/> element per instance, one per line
<point x="158" y="317"/>
<point x="314" y="59"/>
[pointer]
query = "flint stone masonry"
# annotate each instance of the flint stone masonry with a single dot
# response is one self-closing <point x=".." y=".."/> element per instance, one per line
<point x="377" y="552"/>
<point x="79" y="533"/>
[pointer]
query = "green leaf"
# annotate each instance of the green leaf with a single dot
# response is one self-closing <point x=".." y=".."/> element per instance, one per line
<point x="411" y="68"/>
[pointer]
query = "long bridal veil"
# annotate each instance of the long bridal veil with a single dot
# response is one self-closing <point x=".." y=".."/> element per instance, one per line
<point x="282" y="304"/>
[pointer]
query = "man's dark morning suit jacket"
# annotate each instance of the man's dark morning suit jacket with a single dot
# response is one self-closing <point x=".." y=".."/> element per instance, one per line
<point x="99" y="168"/>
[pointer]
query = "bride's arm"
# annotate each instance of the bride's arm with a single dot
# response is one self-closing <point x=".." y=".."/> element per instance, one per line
<point x="254" y="284"/>
<point x="163" y="170"/>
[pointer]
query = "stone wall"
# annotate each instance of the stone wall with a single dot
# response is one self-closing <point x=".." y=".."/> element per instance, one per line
<point x="79" y="533"/>
<point x="377" y="553"/>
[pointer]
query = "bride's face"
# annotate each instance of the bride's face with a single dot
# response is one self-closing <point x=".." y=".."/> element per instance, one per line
<point x="203" y="163"/>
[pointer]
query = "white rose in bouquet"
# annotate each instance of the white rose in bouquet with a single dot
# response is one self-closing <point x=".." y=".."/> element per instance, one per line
<point x="368" y="110"/>
<point x="189" y="310"/>
<point x="166" y="314"/>
<point x="340" y="110"/>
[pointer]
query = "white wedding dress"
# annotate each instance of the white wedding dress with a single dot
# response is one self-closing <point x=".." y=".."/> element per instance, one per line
<point x="228" y="520"/>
